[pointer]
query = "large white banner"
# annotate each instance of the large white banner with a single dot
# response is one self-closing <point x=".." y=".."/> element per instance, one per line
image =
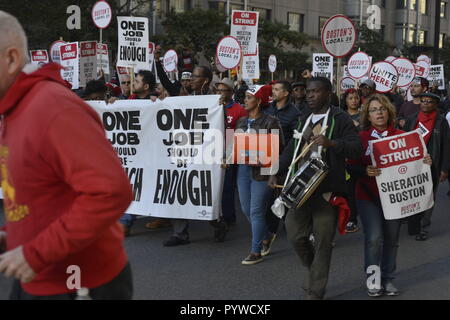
<point x="88" y="62"/>
<point x="244" y="27"/>
<point x="133" y="43"/>
<point x="323" y="65"/>
<point x="70" y="62"/>
<point x="405" y="184"/>
<point x="172" y="152"/>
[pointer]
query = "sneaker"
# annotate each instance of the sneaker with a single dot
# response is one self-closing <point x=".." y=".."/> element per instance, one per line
<point x="252" y="259"/>
<point x="374" y="292"/>
<point x="158" y="224"/>
<point x="267" y="246"/>
<point x="175" y="241"/>
<point x="390" y="289"/>
<point x="351" y="227"/>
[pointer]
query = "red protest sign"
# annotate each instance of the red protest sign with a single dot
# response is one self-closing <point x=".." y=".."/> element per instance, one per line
<point x="397" y="150"/>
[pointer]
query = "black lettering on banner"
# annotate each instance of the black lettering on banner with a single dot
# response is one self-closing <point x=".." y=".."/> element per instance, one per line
<point x="182" y="119"/>
<point x="176" y="186"/>
<point x="136" y="177"/>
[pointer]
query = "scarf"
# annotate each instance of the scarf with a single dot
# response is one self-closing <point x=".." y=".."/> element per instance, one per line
<point x="425" y="124"/>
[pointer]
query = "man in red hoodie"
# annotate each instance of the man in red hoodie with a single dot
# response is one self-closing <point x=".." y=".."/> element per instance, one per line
<point x="64" y="188"/>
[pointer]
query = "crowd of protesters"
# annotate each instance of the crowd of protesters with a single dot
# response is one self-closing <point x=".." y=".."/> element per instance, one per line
<point x="83" y="222"/>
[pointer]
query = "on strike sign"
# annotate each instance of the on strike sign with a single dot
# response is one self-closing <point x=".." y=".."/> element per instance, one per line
<point x="70" y="62"/>
<point x="229" y="52"/>
<point x="405" y="184"/>
<point x="103" y="58"/>
<point x="359" y="65"/>
<point x="338" y="36"/>
<point x="385" y="75"/>
<point x="406" y="71"/>
<point x="88" y="62"/>
<point x="244" y="27"/>
<point x="133" y="43"/>
<point x="39" y="56"/>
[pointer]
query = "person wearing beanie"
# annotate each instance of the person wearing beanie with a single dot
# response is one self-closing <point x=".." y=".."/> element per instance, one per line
<point x="253" y="189"/>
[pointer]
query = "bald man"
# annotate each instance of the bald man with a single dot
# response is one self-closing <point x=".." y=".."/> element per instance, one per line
<point x="63" y="185"/>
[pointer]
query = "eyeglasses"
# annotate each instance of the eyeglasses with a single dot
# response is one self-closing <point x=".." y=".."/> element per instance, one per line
<point x="427" y="101"/>
<point x="375" y="110"/>
<point x="125" y="82"/>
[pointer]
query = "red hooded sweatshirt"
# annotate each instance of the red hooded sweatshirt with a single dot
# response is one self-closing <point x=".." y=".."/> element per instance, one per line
<point x="63" y="185"/>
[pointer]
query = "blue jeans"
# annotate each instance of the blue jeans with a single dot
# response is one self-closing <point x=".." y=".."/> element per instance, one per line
<point x="381" y="238"/>
<point x="128" y="219"/>
<point x="254" y="196"/>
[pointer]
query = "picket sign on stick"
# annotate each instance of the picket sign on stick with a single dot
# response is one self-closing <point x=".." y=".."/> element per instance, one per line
<point x="102" y="16"/>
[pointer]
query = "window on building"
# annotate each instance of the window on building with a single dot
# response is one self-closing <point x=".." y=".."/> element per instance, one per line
<point x="322" y="21"/>
<point x="218" y="6"/>
<point x="295" y="21"/>
<point x="413" y="5"/>
<point x="443" y="9"/>
<point x="236" y="7"/>
<point x="441" y="40"/>
<point x="264" y="14"/>
<point x="400" y="4"/>
<point x="383" y="4"/>
<point x="178" y="5"/>
<point x="422" y="37"/>
<point x="423" y="7"/>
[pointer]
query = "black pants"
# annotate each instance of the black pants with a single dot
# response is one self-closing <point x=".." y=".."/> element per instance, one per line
<point x="351" y="185"/>
<point x="272" y="220"/>
<point x="120" y="288"/>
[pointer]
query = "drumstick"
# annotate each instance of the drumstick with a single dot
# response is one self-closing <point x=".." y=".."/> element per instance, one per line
<point x="308" y="147"/>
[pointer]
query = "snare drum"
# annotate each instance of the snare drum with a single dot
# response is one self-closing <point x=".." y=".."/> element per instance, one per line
<point x="305" y="181"/>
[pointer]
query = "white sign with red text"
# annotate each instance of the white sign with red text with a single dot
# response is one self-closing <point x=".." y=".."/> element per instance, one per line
<point x="405" y="185"/>
<point x="103" y="58"/>
<point x="338" y="36"/>
<point x="244" y="27"/>
<point x="250" y="67"/>
<point x="101" y="14"/>
<point x="170" y="61"/>
<point x="39" y="57"/>
<point x="422" y="69"/>
<point x="229" y="52"/>
<point x="70" y="62"/>
<point x="88" y="62"/>
<point x="385" y="76"/>
<point x="406" y="71"/>
<point x="359" y="65"/>
<point x="55" y="53"/>
<point x="272" y="63"/>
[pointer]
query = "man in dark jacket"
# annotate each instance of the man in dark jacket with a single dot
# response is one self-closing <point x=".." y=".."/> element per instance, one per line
<point x="317" y="216"/>
<point x="436" y="133"/>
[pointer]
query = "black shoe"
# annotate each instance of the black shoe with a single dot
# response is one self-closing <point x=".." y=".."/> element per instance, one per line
<point x="220" y="230"/>
<point x="422" y="236"/>
<point x="175" y="241"/>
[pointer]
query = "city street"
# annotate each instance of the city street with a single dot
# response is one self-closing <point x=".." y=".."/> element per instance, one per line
<point x="205" y="270"/>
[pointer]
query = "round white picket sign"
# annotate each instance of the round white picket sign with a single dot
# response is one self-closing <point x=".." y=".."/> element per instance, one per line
<point x="424" y="57"/>
<point x="170" y="61"/>
<point x="390" y="59"/>
<point x="339" y="36"/>
<point x="358" y="65"/>
<point x="229" y="52"/>
<point x="101" y="14"/>
<point x="55" y="54"/>
<point x="272" y="63"/>
<point x="406" y="71"/>
<point x="385" y="75"/>
<point x="347" y="83"/>
<point x="422" y="69"/>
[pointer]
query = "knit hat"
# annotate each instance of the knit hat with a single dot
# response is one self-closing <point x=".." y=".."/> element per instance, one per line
<point x="261" y="92"/>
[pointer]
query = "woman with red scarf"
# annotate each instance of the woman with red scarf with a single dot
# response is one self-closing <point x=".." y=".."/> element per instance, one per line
<point x="381" y="235"/>
<point x="435" y="132"/>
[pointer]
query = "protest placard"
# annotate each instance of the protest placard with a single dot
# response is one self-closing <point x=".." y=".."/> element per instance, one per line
<point x="385" y="76"/>
<point x="70" y="61"/>
<point x="422" y="69"/>
<point x="55" y="53"/>
<point x="436" y="76"/>
<point x="405" y="185"/>
<point x="359" y="65"/>
<point x="250" y="67"/>
<point x="406" y="71"/>
<point x="133" y="43"/>
<point x="347" y="83"/>
<point x="338" y="36"/>
<point x="39" y="57"/>
<point x="244" y="27"/>
<point x="323" y="65"/>
<point x="103" y="58"/>
<point x="88" y="62"/>
<point x="229" y="52"/>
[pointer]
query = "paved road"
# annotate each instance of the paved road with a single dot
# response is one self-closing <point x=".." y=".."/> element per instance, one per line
<point x="207" y="270"/>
